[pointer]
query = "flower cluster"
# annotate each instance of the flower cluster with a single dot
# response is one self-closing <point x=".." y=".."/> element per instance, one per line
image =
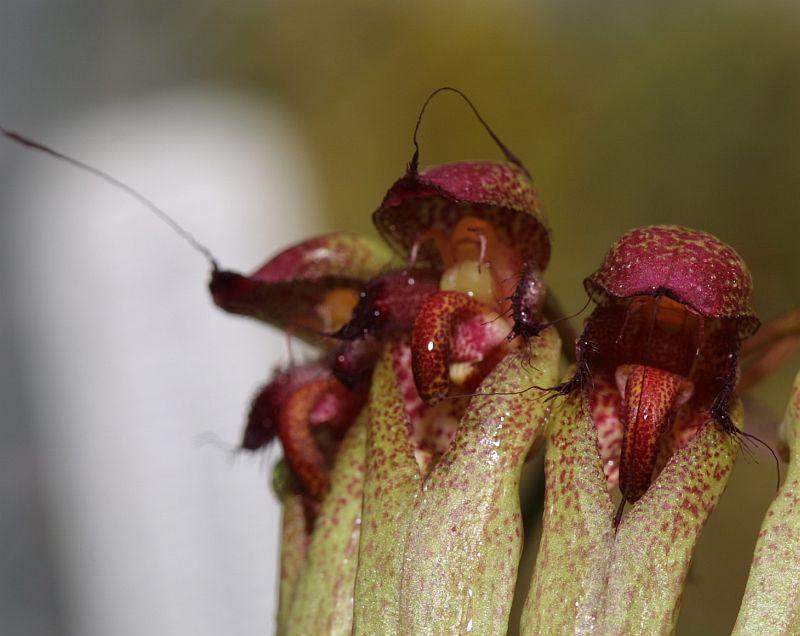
<point x="438" y="375"/>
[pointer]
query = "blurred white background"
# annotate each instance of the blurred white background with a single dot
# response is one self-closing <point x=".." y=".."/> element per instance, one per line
<point x="128" y="366"/>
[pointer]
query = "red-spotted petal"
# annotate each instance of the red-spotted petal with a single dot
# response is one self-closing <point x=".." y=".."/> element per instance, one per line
<point x="693" y="267"/>
<point x="438" y="197"/>
<point x="309" y="289"/>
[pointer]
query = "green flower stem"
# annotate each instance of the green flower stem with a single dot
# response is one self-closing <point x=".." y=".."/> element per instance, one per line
<point x="771" y="603"/>
<point x="654" y="543"/>
<point x="323" y="600"/>
<point x="294" y="542"/>
<point x="465" y="535"/>
<point x="568" y="581"/>
<point x="588" y="578"/>
<point x="391" y="484"/>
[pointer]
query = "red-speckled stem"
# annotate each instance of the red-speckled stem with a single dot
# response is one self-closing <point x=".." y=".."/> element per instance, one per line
<point x="568" y="582"/>
<point x="654" y="543"/>
<point x="590" y="579"/>
<point x="392" y="482"/>
<point x="294" y="542"/>
<point x="771" y="603"/>
<point x="323" y="600"/>
<point x="465" y="533"/>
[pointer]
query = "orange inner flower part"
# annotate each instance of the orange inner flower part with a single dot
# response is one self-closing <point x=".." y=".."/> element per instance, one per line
<point x="660" y="331"/>
<point x="475" y="261"/>
<point x="336" y="308"/>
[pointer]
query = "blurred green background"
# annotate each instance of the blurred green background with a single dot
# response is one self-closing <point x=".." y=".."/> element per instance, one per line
<point x="626" y="114"/>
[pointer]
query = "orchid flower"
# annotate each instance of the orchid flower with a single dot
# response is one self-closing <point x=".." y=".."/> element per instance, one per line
<point x="650" y="419"/>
